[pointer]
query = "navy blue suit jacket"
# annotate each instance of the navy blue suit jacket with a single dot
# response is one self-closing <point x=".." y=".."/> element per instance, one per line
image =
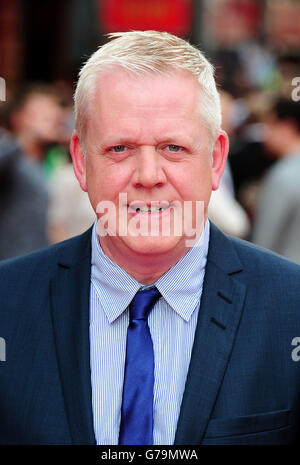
<point x="243" y="386"/>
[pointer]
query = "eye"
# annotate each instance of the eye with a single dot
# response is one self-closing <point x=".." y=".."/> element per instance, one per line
<point x="174" y="148"/>
<point x="118" y="148"/>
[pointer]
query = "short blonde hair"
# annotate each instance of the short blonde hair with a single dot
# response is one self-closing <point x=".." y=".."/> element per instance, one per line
<point x="143" y="52"/>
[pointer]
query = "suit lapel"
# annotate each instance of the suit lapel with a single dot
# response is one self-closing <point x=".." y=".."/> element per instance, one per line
<point x="70" y="291"/>
<point x="219" y="316"/>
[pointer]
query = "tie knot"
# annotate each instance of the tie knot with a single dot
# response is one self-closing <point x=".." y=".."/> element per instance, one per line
<point x="142" y="303"/>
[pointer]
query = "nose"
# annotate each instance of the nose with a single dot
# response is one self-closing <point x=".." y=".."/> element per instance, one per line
<point x="148" y="171"/>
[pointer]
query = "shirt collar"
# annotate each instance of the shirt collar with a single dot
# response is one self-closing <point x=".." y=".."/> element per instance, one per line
<point x="181" y="286"/>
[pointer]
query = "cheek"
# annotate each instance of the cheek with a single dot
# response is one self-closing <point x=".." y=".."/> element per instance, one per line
<point x="105" y="181"/>
<point x="194" y="182"/>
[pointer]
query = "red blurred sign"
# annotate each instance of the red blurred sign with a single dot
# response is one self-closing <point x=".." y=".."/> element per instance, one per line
<point x="174" y="16"/>
<point x="283" y="23"/>
<point x="232" y="21"/>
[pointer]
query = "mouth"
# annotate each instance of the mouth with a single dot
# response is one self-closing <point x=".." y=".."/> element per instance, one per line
<point x="149" y="207"/>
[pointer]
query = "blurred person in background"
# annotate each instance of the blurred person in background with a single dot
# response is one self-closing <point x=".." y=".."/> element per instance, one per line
<point x="248" y="157"/>
<point x="41" y="117"/>
<point x="277" y="219"/>
<point x="23" y="202"/>
<point x="38" y="121"/>
<point x="70" y="212"/>
<point x="224" y="210"/>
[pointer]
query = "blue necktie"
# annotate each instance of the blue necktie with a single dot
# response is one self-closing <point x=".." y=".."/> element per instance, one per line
<point x="137" y="407"/>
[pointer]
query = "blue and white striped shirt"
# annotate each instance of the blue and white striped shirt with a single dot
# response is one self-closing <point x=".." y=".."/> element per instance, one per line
<point x="172" y="323"/>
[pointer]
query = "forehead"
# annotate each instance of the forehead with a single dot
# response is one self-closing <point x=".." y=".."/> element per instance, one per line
<point x="154" y="98"/>
<point x="123" y="81"/>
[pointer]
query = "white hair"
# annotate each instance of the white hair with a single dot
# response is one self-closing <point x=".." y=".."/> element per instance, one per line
<point x="141" y="52"/>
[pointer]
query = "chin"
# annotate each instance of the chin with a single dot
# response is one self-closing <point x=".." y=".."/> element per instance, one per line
<point x="149" y="245"/>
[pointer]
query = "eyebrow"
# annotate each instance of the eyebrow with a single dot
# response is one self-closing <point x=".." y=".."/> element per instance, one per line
<point x="178" y="139"/>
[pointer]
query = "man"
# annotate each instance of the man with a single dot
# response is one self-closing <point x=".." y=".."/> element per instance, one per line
<point x="127" y="334"/>
<point x="277" y="222"/>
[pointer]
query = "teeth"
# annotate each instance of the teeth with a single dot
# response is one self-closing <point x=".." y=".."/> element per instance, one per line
<point x="148" y="209"/>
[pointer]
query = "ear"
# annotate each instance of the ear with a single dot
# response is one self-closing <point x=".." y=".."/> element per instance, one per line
<point x="78" y="159"/>
<point x="219" y="157"/>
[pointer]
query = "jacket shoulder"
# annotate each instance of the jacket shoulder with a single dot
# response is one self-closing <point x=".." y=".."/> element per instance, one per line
<point x="267" y="265"/>
<point x="67" y="253"/>
<point x="236" y="255"/>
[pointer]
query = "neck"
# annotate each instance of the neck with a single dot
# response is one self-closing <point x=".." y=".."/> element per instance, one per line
<point x="144" y="268"/>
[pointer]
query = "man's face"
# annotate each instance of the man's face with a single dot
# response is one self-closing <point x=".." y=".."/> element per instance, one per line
<point x="145" y="139"/>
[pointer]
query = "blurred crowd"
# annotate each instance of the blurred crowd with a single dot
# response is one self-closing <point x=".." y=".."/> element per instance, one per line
<point x="40" y="200"/>
<point x="259" y="197"/>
